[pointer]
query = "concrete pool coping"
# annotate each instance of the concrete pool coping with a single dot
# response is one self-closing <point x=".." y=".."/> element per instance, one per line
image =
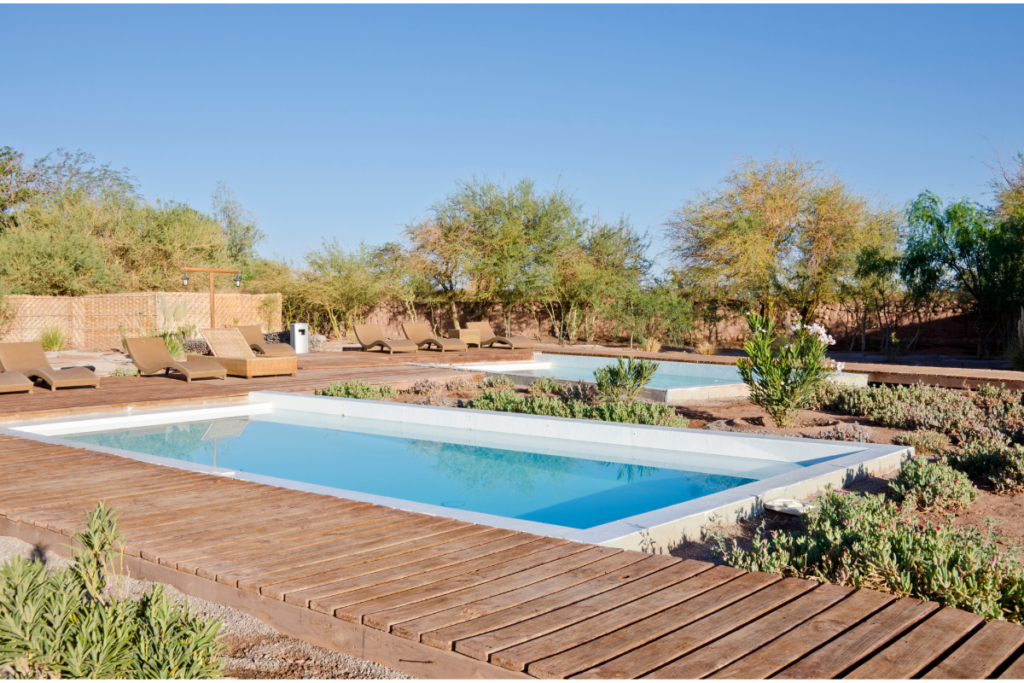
<point x="733" y="386"/>
<point x="655" y="531"/>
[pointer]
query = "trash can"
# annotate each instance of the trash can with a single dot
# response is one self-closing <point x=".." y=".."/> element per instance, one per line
<point x="298" y="336"/>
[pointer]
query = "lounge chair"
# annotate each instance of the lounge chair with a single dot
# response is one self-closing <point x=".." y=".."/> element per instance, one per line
<point x="488" y="338"/>
<point x="420" y="335"/>
<point x="254" y="338"/>
<point x="369" y="336"/>
<point x="14" y="381"/>
<point x="231" y="351"/>
<point x="29" y="359"/>
<point x="150" y="356"/>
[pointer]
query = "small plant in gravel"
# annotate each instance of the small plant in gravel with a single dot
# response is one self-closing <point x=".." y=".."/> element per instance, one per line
<point x="923" y="442"/>
<point x="635" y="412"/>
<point x="426" y="387"/>
<point x="359" y="389"/>
<point x="989" y="455"/>
<point x="624" y="379"/>
<point x="932" y="486"/>
<point x="53" y="338"/>
<point x="79" y="622"/>
<point x="124" y="371"/>
<point x="867" y="542"/>
<point x="851" y="432"/>
<point x="783" y="377"/>
<point x="497" y="382"/>
<point x="544" y="385"/>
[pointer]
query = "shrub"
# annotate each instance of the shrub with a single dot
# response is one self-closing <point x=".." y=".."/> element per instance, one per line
<point x="865" y="542"/>
<point x="497" y="382"/>
<point x="75" y="622"/>
<point x="426" y="387"/>
<point x="706" y="348"/>
<point x="624" y="379"/>
<point x="932" y="485"/>
<point x="53" y="338"/>
<point x="544" y="385"/>
<point x="635" y="412"/>
<point x="358" y="389"/>
<point x="783" y="380"/>
<point x="124" y="371"/>
<point x="918" y="407"/>
<point x="990" y="456"/>
<point x="925" y="441"/>
<point x="854" y="433"/>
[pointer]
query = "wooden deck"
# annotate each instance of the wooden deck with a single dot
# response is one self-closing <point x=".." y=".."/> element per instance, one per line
<point x="441" y="598"/>
<point x="316" y="371"/>
<point x="956" y="378"/>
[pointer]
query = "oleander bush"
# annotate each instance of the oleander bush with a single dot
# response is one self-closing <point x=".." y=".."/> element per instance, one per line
<point x="79" y="622"/>
<point x="992" y="457"/>
<point x="635" y="412"/>
<point x="923" y="442"/>
<point x="932" y="486"/>
<point x="869" y="542"/>
<point x="359" y="389"/>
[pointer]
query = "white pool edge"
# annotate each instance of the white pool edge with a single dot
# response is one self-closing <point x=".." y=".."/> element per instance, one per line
<point x="657" y="531"/>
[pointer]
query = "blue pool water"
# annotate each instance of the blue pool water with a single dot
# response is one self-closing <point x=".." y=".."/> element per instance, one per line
<point x="513" y="477"/>
<point x="657" y="381"/>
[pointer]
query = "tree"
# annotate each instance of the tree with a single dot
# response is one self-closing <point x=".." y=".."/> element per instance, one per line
<point x="651" y="315"/>
<point x="782" y="229"/>
<point x="16" y="186"/>
<point x="1008" y="189"/>
<point x="964" y="247"/>
<point x="241" y="228"/>
<point x="342" y="283"/>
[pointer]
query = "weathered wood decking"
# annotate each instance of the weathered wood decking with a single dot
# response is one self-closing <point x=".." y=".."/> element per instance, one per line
<point x="316" y="371"/>
<point x="956" y="378"/>
<point x="442" y="598"/>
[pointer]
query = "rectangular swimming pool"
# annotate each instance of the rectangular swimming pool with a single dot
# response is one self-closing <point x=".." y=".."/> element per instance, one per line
<point x="591" y="481"/>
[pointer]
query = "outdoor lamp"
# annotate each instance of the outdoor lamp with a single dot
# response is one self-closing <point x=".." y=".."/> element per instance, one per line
<point x="184" y="279"/>
<point x="238" y="280"/>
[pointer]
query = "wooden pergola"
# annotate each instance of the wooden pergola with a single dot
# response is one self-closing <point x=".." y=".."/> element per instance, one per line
<point x="212" y="272"/>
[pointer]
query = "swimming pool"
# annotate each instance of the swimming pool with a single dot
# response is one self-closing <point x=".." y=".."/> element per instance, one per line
<point x="673" y="382"/>
<point x="615" y="484"/>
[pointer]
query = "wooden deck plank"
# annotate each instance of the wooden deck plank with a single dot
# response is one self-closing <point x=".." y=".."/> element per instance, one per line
<point x="463" y="613"/>
<point x="597" y="621"/>
<point x="724" y="651"/>
<point x="412" y="620"/>
<point x="983" y="652"/>
<point x="413" y="590"/>
<point x="328" y="597"/>
<point x="652" y="655"/>
<point x="480" y="636"/>
<point x="626" y="638"/>
<point x="765" y="661"/>
<point x="861" y="641"/>
<point x="915" y="651"/>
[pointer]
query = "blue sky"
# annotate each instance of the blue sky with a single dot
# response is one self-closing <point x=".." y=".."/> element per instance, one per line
<point x="350" y="121"/>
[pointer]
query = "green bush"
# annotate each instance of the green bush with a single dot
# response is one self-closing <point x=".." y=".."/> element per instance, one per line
<point x="497" y="382"/>
<point x="124" y="372"/>
<point x="358" y="389"/>
<point x="53" y="338"/>
<point x="624" y="379"/>
<point x="74" y="622"/>
<point x="865" y="542"/>
<point x="635" y="412"/>
<point x="925" y="441"/>
<point x="544" y="385"/>
<point x="990" y="456"/>
<point x="932" y="485"/>
<point x="783" y="378"/>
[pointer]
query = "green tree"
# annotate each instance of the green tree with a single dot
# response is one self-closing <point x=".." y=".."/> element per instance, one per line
<point x="16" y="186"/>
<point x="651" y="315"/>
<point x="341" y="283"/>
<point x="240" y="226"/>
<point x="783" y="229"/>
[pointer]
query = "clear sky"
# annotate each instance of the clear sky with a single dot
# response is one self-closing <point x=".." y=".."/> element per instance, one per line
<point x="350" y="121"/>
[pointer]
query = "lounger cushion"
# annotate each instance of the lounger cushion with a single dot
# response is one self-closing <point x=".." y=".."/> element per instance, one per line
<point x="14" y="381"/>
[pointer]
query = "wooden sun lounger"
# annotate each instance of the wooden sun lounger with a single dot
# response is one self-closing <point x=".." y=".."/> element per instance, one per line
<point x="254" y="338"/>
<point x="29" y="359"/>
<point x="150" y="356"/>
<point x="11" y="382"/>
<point x="232" y="352"/>
<point x="369" y="336"/>
<point x="419" y="334"/>
<point x="488" y="338"/>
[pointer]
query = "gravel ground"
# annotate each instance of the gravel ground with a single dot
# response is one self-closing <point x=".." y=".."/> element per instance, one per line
<point x="256" y="650"/>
